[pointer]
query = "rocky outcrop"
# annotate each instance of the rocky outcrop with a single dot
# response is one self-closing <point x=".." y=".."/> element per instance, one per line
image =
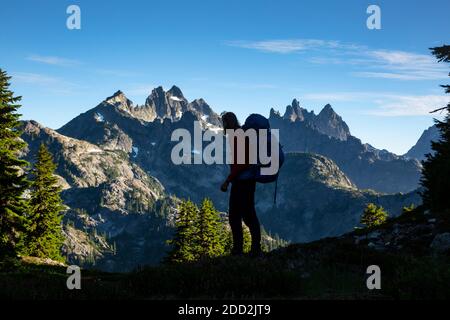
<point x="423" y="145"/>
<point x="326" y="122"/>
<point x="118" y="99"/>
<point x="330" y="123"/>
<point x="172" y="105"/>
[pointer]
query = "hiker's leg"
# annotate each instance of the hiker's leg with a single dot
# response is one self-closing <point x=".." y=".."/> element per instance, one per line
<point x="235" y="218"/>
<point x="250" y="217"/>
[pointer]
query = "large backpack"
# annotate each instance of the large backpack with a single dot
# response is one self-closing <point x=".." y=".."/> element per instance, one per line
<point x="256" y="122"/>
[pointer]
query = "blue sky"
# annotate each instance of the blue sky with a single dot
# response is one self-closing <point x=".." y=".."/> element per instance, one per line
<point x="241" y="56"/>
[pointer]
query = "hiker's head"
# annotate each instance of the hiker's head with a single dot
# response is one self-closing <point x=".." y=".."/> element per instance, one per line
<point x="230" y="121"/>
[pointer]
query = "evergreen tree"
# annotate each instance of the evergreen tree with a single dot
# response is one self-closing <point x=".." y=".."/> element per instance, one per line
<point x="436" y="167"/>
<point x="373" y="216"/>
<point x="200" y="233"/>
<point x="13" y="180"/>
<point x="210" y="229"/>
<point x="247" y="239"/>
<point x="44" y="236"/>
<point x="228" y="240"/>
<point x="185" y="241"/>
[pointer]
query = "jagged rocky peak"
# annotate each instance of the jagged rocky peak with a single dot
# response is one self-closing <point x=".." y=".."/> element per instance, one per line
<point x="274" y="114"/>
<point x="118" y="99"/>
<point x="205" y="113"/>
<point x="162" y="105"/>
<point x="156" y="106"/>
<point x="201" y="106"/>
<point x="423" y="145"/>
<point x="172" y="105"/>
<point x="295" y="104"/>
<point x="294" y="112"/>
<point x="327" y="122"/>
<point x="177" y="103"/>
<point x="176" y="94"/>
<point x="32" y="127"/>
<point x="328" y="110"/>
<point x="289" y="114"/>
<point x="330" y="123"/>
<point x="156" y="97"/>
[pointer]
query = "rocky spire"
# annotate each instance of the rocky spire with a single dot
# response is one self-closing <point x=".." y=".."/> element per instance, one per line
<point x="294" y="112"/>
<point x="176" y="93"/>
<point x="274" y="114"/>
<point x="330" y="123"/>
<point x="118" y="99"/>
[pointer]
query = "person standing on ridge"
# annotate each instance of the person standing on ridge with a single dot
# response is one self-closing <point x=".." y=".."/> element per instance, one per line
<point x="242" y="195"/>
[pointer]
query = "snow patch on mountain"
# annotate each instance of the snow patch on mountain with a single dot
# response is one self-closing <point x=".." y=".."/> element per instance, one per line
<point x="99" y="117"/>
<point x="175" y="98"/>
<point x="135" y="151"/>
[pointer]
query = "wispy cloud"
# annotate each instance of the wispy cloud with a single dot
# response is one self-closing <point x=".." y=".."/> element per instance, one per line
<point x="291" y="46"/>
<point x="407" y="105"/>
<point x="390" y="64"/>
<point x="33" y="78"/>
<point x="403" y="65"/>
<point x="385" y="104"/>
<point x="367" y="63"/>
<point x="52" y="60"/>
<point x="49" y="83"/>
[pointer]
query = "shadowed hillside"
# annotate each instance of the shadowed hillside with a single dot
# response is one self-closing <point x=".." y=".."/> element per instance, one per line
<point x="414" y="262"/>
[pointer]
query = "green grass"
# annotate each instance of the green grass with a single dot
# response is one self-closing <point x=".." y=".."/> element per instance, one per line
<point x="322" y="270"/>
<point x="333" y="268"/>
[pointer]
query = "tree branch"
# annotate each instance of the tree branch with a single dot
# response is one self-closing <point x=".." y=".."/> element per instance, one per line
<point x="438" y="109"/>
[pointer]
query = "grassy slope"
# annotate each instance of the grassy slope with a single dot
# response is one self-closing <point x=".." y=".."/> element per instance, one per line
<point x="333" y="268"/>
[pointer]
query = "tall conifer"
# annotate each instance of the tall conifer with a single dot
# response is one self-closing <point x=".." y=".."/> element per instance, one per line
<point x="44" y="236"/>
<point x="436" y="167"/>
<point x="13" y="181"/>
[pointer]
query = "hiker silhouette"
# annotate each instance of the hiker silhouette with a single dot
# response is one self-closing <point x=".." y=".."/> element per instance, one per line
<point x="242" y="195"/>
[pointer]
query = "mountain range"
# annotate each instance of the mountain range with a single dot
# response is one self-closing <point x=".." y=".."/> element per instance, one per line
<point x="121" y="187"/>
<point x="327" y="134"/>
